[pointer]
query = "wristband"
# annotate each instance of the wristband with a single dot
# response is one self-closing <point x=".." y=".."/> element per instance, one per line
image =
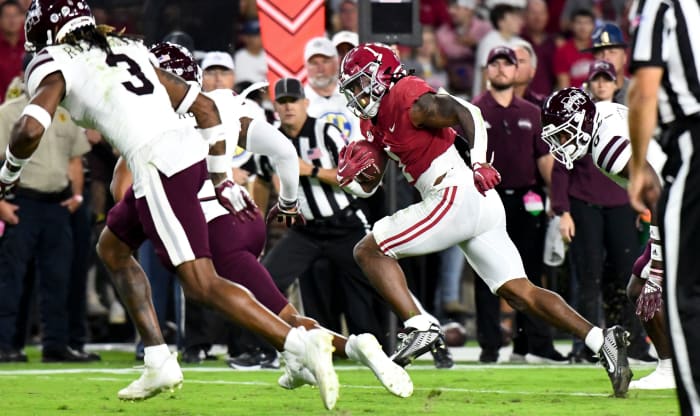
<point x="213" y="134"/>
<point x="218" y="163"/>
<point x="314" y="172"/>
<point x="189" y="99"/>
<point x="78" y="198"/>
<point x="656" y="252"/>
<point x="39" y="114"/>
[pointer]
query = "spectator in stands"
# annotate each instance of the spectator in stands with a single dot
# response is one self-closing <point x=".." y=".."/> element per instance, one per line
<point x="610" y="10"/>
<point x="458" y="42"/>
<point x="507" y="22"/>
<point x="433" y="13"/>
<point x="544" y="45"/>
<point x="525" y="73"/>
<point x="601" y="81"/>
<point x="427" y="61"/>
<point x="347" y="15"/>
<point x="344" y="41"/>
<point x="218" y="71"/>
<point x="571" y="64"/>
<point x="251" y="61"/>
<point x="521" y="157"/>
<point x="608" y="44"/>
<point x="11" y="43"/>
<point x="322" y="91"/>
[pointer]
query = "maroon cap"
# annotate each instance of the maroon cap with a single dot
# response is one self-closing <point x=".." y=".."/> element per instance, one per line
<point x="601" y="67"/>
<point x="502" y="52"/>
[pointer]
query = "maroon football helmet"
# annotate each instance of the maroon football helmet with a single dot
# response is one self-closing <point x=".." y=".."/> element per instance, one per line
<point x="48" y="21"/>
<point x="177" y="60"/>
<point x="367" y="72"/>
<point x="568" y="124"/>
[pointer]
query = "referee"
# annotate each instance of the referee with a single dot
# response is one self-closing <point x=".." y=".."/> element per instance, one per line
<point x="665" y="54"/>
<point x="333" y="224"/>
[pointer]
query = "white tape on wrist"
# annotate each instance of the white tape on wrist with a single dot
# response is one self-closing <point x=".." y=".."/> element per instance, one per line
<point x="654" y="232"/>
<point x="213" y="134"/>
<point x="188" y="99"/>
<point x="39" y="114"/>
<point x="218" y="164"/>
<point x="8" y="176"/>
<point x="14" y="160"/>
<point x="656" y="252"/>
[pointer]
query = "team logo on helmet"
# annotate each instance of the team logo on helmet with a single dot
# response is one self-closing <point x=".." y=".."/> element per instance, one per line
<point x="575" y="101"/>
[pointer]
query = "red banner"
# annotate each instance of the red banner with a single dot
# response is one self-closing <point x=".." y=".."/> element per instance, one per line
<point x="285" y="27"/>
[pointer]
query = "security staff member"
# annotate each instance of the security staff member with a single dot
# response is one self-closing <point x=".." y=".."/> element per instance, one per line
<point x="520" y="156"/>
<point x="666" y="80"/>
<point x="608" y="44"/>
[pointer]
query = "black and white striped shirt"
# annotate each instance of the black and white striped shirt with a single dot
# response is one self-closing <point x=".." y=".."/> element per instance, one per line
<point x="318" y="143"/>
<point x="667" y="35"/>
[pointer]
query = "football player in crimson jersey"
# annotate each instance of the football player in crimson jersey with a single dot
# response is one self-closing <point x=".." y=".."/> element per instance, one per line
<point x="108" y="82"/>
<point x="573" y="126"/>
<point x="414" y="125"/>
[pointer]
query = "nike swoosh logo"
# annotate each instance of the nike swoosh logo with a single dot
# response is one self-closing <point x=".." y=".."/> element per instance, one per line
<point x="393" y="126"/>
<point x="608" y="361"/>
<point x="340" y="171"/>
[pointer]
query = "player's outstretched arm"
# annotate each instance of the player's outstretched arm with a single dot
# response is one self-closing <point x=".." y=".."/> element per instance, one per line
<point x="29" y="128"/>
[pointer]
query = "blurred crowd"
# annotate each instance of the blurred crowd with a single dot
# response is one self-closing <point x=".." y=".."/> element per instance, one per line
<point x="555" y="44"/>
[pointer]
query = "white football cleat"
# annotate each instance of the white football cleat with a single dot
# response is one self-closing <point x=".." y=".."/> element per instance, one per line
<point x="295" y="375"/>
<point x="318" y="358"/>
<point x="365" y="349"/>
<point x="661" y="378"/>
<point x="167" y="377"/>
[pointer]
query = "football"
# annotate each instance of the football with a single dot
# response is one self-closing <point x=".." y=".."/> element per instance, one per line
<point x="375" y="171"/>
<point x="455" y="334"/>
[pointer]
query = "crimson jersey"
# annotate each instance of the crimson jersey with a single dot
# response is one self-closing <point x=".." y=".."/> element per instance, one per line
<point x="413" y="148"/>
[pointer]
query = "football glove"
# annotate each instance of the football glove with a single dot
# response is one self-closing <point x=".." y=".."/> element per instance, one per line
<point x="289" y="213"/>
<point x="485" y="177"/>
<point x="352" y="163"/>
<point x="235" y="200"/>
<point x="650" y="299"/>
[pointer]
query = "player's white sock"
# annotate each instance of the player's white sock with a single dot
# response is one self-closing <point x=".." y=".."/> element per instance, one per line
<point x="595" y="338"/>
<point x="154" y="355"/>
<point x="294" y="342"/>
<point x="423" y="311"/>
<point x="421" y="322"/>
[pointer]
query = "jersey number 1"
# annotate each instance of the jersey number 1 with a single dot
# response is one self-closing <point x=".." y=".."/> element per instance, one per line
<point x="135" y="70"/>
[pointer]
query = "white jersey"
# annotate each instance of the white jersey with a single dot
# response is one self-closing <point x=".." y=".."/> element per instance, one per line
<point x="334" y="110"/>
<point x="611" y="148"/>
<point x="120" y="96"/>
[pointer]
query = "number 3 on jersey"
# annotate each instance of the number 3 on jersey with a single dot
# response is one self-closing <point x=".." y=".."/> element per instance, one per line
<point x="135" y="70"/>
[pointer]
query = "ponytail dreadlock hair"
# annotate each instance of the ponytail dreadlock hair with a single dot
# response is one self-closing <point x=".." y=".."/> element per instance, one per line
<point x="94" y="35"/>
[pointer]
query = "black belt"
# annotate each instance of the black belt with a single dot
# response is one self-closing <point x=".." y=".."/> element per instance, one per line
<point x="345" y="214"/>
<point x="49" y="197"/>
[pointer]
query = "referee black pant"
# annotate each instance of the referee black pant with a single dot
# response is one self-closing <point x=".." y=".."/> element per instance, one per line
<point x="680" y="232"/>
<point x="300" y="249"/>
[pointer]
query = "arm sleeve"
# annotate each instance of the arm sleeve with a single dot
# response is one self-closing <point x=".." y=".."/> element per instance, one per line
<point x="264" y="139"/>
<point x="560" y="188"/>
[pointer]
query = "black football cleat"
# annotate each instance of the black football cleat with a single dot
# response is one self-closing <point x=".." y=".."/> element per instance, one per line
<point x="613" y="357"/>
<point x="414" y="343"/>
<point x="441" y="354"/>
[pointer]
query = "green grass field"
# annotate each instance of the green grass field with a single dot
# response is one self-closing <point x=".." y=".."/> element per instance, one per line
<point x="214" y="389"/>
